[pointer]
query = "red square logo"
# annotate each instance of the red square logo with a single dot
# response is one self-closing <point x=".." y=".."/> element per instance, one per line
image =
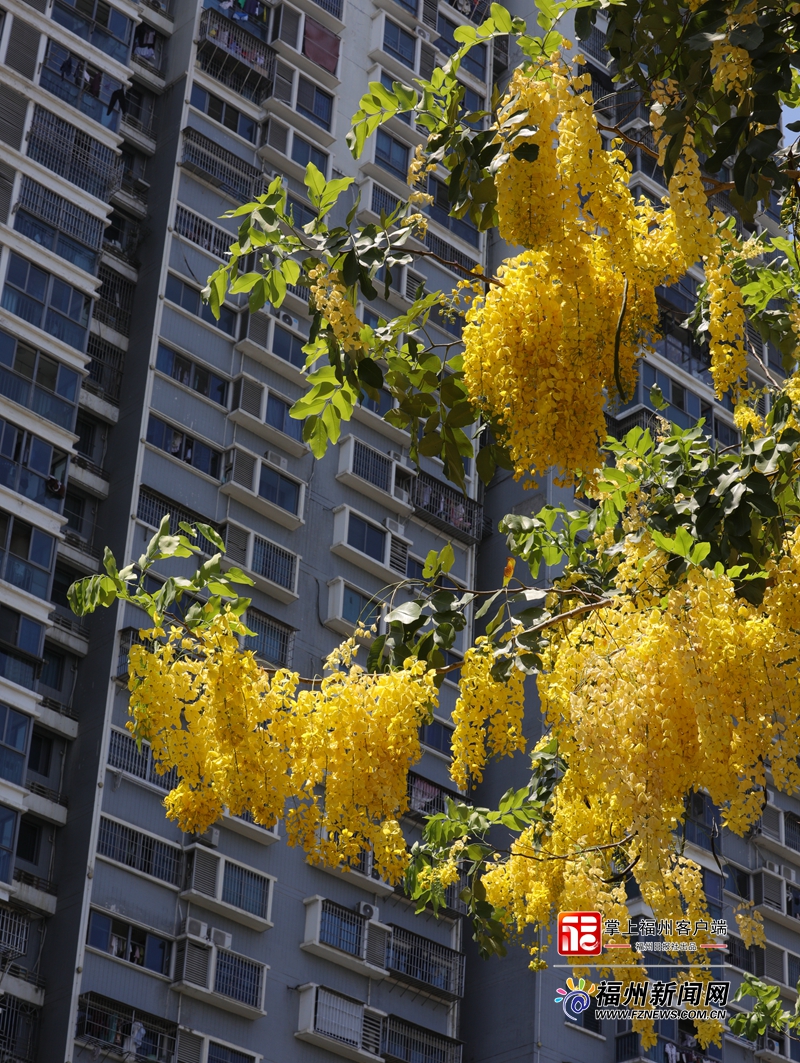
<point x="580" y="934"/>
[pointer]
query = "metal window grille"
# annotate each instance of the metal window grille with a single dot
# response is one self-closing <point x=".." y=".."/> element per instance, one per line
<point x="123" y="754"/>
<point x="152" y="508"/>
<point x="73" y="154"/>
<point x="104" y="1021"/>
<point x="202" y="232"/>
<point x="406" y="1043"/>
<point x="594" y="46"/>
<point x="105" y="369"/>
<point x="342" y="928"/>
<point x="742" y="956"/>
<point x="333" y="7"/>
<point x="51" y="207"/>
<point x="246" y="890"/>
<point x="447" y="508"/>
<point x="383" y="201"/>
<point x="372" y="466"/>
<point x="19" y="1025"/>
<point x="475" y="10"/>
<point x="139" y="851"/>
<point x="274" y="563"/>
<point x="427" y="798"/>
<point x="115" y="301"/>
<point x="791" y="831"/>
<point x="338" y="1017"/>
<point x="222" y="1054"/>
<point x="231" y="173"/>
<point x="272" y="640"/>
<point x="220" y="33"/>
<point x="14" y="927"/>
<point x="450" y="254"/>
<point x="238" y="978"/>
<point x="421" y="961"/>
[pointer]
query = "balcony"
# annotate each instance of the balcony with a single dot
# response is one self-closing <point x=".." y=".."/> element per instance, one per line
<point x="381" y="552"/>
<point x="220" y="977"/>
<point x="274" y="569"/>
<point x="125" y="756"/>
<point x="72" y="154"/>
<point x="426" y="798"/>
<point x="250" y="408"/>
<point x="67" y="631"/>
<point x="234" y="57"/>
<point x="425" y="964"/>
<point x="34" y="892"/>
<point x="264" y="487"/>
<point x="42" y="402"/>
<point x="79" y="552"/>
<point x="244" y="824"/>
<point x="228" y="888"/>
<point x="346" y="937"/>
<point x="383" y="478"/>
<point x="342" y="1025"/>
<point x="90" y="477"/>
<point x="112" y="1027"/>
<point x="46" y="803"/>
<point x="447" y="509"/>
<point x="22" y="1002"/>
<point x="58" y="717"/>
<point x="153" y="507"/>
<point x="405" y="1042"/>
<point x="221" y="168"/>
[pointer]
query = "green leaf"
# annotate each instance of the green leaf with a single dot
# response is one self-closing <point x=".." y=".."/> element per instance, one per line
<point x="406" y="613"/>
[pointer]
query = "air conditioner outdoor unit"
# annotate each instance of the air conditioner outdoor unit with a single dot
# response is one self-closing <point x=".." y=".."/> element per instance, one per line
<point x="196" y="929"/>
<point x="276" y="459"/>
<point x="210" y="837"/>
<point x="221" y="938"/>
<point x="423" y="34"/>
<point x="287" y="319"/>
<point x="394" y="526"/>
<point x="396" y="455"/>
<point x="367" y="910"/>
<point x="788" y="873"/>
<point x="401" y="495"/>
<point x="774" y="1046"/>
<point x="770" y="865"/>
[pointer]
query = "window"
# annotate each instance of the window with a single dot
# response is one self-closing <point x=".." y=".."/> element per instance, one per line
<point x="52" y="674"/>
<point x="440" y="213"/>
<point x="128" y="942"/>
<point x="26" y="554"/>
<point x="381" y="406"/>
<point x="437" y="735"/>
<point x="475" y="59"/>
<point x="31" y="466"/>
<point x="588" y="1019"/>
<point x="194" y="376"/>
<point x="46" y="302"/>
<point x="278" y="417"/>
<point x="272" y="641"/>
<point x="245" y="889"/>
<point x="303" y="152"/>
<point x="357" y="608"/>
<point x="702" y="819"/>
<point x="97" y="22"/>
<point x="288" y="346"/>
<point x="13" y="741"/>
<point x="742" y="956"/>
<point x="79" y="83"/>
<point x="139" y="851"/>
<point x="314" y="103"/>
<point x="20" y="631"/>
<point x="302" y="212"/>
<point x="8" y="825"/>
<point x="472" y="102"/>
<point x="737" y="881"/>
<point x="277" y="488"/>
<point x="391" y="154"/>
<point x="41" y="755"/>
<point x="37" y="381"/>
<point x="238" y="978"/>
<point x="86" y="431"/>
<point x="186" y="296"/>
<point x="218" y="1053"/>
<point x="388" y="81"/>
<point x="183" y="446"/>
<point x="677" y="395"/>
<point x="399" y="43"/>
<point x="54" y="240"/>
<point x="222" y="112"/>
<point x="29" y="842"/>
<point x="341" y="928"/>
<point x="366" y="537"/>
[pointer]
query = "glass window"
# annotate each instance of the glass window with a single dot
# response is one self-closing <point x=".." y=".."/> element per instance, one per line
<point x="29" y="841"/>
<point x="475" y="59"/>
<point x="737" y="881"/>
<point x="399" y="43"/>
<point x="69" y="76"/>
<point x="52" y="674"/>
<point x="46" y="302"/>
<point x="278" y="417"/>
<point x="437" y="735"/>
<point x="222" y="1054"/>
<point x="245" y="889"/>
<point x="183" y="446"/>
<point x="177" y="291"/>
<point x="357" y="608"/>
<point x="13" y="743"/>
<point x="314" y="103"/>
<point x="8" y="825"/>
<point x="288" y="346"/>
<point x="304" y="152"/>
<point x="224" y="113"/>
<point x="366" y="537"/>
<point x="41" y="755"/>
<point x="97" y="22"/>
<point x="127" y="942"/>
<point x="279" y="489"/>
<point x="387" y="81"/>
<point x="195" y="376"/>
<point x="26" y="554"/>
<point x="48" y="236"/>
<point x="302" y="212"/>
<point x="391" y="154"/>
<point x="272" y="641"/>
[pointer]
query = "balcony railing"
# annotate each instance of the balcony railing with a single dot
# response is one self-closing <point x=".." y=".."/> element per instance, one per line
<point x="333" y="7"/>
<point x="222" y="168"/>
<point x="404" y="1042"/>
<point x="67" y="622"/>
<point x="114" y="306"/>
<point x="60" y="708"/>
<point x="274" y="563"/>
<point x="475" y="10"/>
<point x="594" y="45"/>
<point x="202" y="232"/>
<point x="20" y="1024"/>
<point x="136" y="1034"/>
<point x="105" y="369"/>
<point x="46" y="792"/>
<point x="426" y="798"/>
<point x="73" y="154"/>
<point x="37" y="883"/>
<point x="153" y="507"/>
<point x="235" y="57"/>
<point x="90" y="466"/>
<point x="383" y="201"/>
<point x="446" y="508"/>
<point x="422" y="962"/>
<point x="123" y="754"/>
<point x="81" y="544"/>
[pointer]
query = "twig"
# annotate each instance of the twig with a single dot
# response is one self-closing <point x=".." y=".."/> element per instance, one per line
<point x="476" y="273"/>
<point x="716" y="186"/>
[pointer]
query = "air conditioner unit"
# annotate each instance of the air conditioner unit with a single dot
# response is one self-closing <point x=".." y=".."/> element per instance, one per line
<point x="396" y="455"/>
<point x="770" y="865"/>
<point x="287" y="319"/>
<point x="423" y="34"/>
<point x="789" y="874"/>
<point x="210" y="837"/>
<point x="401" y="495"/>
<point x="221" y="938"/>
<point x="394" y="526"/>
<point x="196" y="929"/>
<point x="774" y="1046"/>
<point x="367" y="910"/>
<point x="276" y="459"/>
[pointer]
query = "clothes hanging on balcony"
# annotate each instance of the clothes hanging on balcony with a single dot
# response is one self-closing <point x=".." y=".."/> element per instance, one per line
<point x="118" y="97"/>
<point x="66" y="67"/>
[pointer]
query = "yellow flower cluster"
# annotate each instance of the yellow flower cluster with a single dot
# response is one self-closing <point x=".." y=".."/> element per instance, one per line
<point x="331" y="760"/>
<point x="569" y="317"/>
<point x="330" y="298"/>
<point x="726" y="327"/>
<point x="488" y="715"/>
<point x="731" y="66"/>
